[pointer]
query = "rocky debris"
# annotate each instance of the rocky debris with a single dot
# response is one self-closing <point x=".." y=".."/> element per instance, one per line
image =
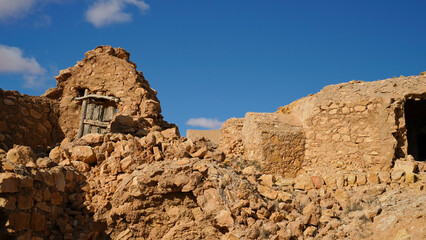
<point x="127" y="193"/>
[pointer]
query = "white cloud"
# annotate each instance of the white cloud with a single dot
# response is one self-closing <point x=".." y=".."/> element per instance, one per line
<point x="209" y="123"/>
<point x="12" y="60"/>
<point x="106" y="12"/>
<point x="15" y="8"/>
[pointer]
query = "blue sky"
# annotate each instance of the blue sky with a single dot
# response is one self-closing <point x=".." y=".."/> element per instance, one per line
<point x="217" y="59"/>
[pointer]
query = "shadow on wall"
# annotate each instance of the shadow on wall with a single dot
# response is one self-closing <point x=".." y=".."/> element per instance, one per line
<point x="53" y="208"/>
<point x="28" y="120"/>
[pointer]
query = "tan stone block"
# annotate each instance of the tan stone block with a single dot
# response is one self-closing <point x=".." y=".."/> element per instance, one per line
<point x="83" y="153"/>
<point x="267" y="180"/>
<point x="250" y="170"/>
<point x="8" y="183"/>
<point x="384" y="177"/>
<point x="93" y="138"/>
<point x="396" y="175"/>
<point x="351" y="178"/>
<point x="276" y="217"/>
<point x="197" y="213"/>
<point x="330" y="181"/>
<point x="410" y="177"/>
<point x="342" y="197"/>
<point x="8" y="203"/>
<point x="125" y="163"/>
<point x="57" y="154"/>
<point x="25" y="202"/>
<point x="20" y="155"/>
<point x="284" y="196"/>
<point x="224" y="219"/>
<point x="372" y="178"/>
<point x="43" y="206"/>
<point x="157" y="153"/>
<point x="267" y="192"/>
<point x="361" y="179"/>
<point x="48" y="178"/>
<point x="56" y="198"/>
<point x="19" y="221"/>
<point x="200" y="153"/>
<point x="406" y="166"/>
<point x="81" y="166"/>
<point x="26" y="181"/>
<point x="359" y="108"/>
<point x="303" y="182"/>
<point x="341" y="181"/>
<point x="38" y="222"/>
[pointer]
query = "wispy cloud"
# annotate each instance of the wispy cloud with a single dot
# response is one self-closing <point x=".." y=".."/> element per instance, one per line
<point x="106" y="12"/>
<point x="15" y="8"/>
<point x="209" y="123"/>
<point x="12" y="60"/>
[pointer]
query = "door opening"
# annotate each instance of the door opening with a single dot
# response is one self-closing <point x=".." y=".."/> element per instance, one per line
<point x="415" y="119"/>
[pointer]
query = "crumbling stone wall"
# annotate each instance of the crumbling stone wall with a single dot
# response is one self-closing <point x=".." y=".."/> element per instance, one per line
<point x="45" y="203"/>
<point x="356" y="126"/>
<point x="27" y="120"/>
<point x="231" y="139"/>
<point x="108" y="71"/>
<point x="274" y="142"/>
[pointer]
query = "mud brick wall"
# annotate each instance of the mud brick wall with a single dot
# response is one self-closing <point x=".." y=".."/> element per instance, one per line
<point x="27" y="120"/>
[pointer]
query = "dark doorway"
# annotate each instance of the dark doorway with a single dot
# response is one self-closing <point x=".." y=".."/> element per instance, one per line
<point x="415" y="119"/>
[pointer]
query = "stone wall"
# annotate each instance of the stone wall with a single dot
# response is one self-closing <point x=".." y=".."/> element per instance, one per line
<point x="275" y="140"/>
<point x="27" y="120"/>
<point x="356" y="126"/>
<point x="212" y="135"/>
<point x="44" y="204"/>
<point x="351" y="135"/>
<point x="231" y="139"/>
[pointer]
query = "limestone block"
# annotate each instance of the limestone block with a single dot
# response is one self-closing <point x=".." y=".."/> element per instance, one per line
<point x="372" y="178"/>
<point x="20" y="155"/>
<point x="406" y="166"/>
<point x="342" y="197"/>
<point x="267" y="192"/>
<point x="397" y="175"/>
<point x="303" y="182"/>
<point x="81" y="166"/>
<point x="83" y="153"/>
<point x="224" y="219"/>
<point x="267" y="180"/>
<point x="384" y="177"/>
<point x="361" y="179"/>
<point x="94" y="138"/>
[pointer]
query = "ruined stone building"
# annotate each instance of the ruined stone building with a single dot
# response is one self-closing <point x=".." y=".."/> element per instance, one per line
<point x="93" y="159"/>
<point x="353" y="126"/>
<point x="105" y="71"/>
